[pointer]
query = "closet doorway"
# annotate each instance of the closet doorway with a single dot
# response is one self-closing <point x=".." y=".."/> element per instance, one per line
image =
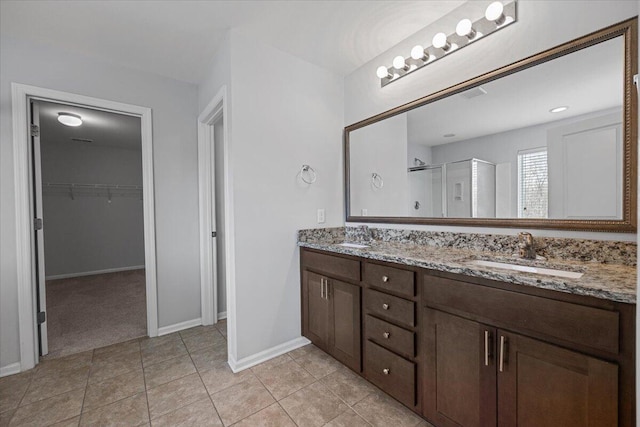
<point x="90" y="245"/>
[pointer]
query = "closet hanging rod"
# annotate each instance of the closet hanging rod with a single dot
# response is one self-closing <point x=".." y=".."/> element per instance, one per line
<point x="78" y="186"/>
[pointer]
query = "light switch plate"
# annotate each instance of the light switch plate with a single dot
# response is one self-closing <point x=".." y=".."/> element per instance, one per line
<point x="320" y="216"/>
<point x="364" y="212"/>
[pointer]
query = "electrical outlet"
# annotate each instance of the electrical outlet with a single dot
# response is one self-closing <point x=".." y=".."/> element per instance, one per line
<point x="364" y="212"/>
<point x="320" y="216"/>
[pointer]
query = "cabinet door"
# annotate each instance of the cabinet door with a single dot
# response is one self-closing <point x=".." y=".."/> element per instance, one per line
<point x="460" y="372"/>
<point x="345" y="321"/>
<point x="316" y="319"/>
<point x="543" y="385"/>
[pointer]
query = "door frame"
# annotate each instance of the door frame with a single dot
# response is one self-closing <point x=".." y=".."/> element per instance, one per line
<point x="209" y="299"/>
<point x="20" y="96"/>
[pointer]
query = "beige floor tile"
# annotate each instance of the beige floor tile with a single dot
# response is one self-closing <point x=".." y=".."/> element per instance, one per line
<point x="283" y="358"/>
<point x="241" y="400"/>
<point x="12" y="389"/>
<point x="209" y="357"/>
<point x="348" y="386"/>
<point x="162" y="352"/>
<point x="62" y="364"/>
<point x="221" y="377"/>
<point x="113" y="389"/>
<point x="271" y="416"/>
<point x="5" y="417"/>
<point x="115" y="365"/>
<point x="348" y="419"/>
<point x="303" y="351"/>
<point x="196" y="330"/>
<point x="146" y="343"/>
<point x="123" y="347"/>
<point x="283" y="379"/>
<point x="131" y="411"/>
<point x="71" y="422"/>
<point x="57" y="382"/>
<point x="381" y="410"/>
<point x="425" y="424"/>
<point x="205" y="339"/>
<point x="222" y="327"/>
<point x="312" y="406"/>
<point x="167" y="371"/>
<point x="168" y="397"/>
<point x="49" y="411"/>
<point x="318" y="363"/>
<point x="201" y="414"/>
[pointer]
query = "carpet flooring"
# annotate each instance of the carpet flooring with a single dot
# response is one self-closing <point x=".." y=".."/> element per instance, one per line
<point x="90" y="312"/>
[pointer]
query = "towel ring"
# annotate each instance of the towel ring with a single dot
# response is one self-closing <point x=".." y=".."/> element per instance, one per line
<point x="310" y="174"/>
<point x="377" y="181"/>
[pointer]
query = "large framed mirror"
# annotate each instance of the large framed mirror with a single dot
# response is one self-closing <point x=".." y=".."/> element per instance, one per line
<point x="547" y="142"/>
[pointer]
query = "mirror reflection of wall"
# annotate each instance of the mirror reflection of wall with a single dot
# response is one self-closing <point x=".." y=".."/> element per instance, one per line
<point x="532" y="158"/>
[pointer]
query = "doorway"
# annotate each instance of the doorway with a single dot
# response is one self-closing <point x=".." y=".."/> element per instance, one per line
<point x="31" y="277"/>
<point x="90" y="241"/>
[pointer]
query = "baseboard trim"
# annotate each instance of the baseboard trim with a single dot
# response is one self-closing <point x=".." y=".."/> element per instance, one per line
<point x="222" y="315"/>
<point x="14" y="368"/>
<point x="165" y="330"/>
<point x="93" y="273"/>
<point x="263" y="356"/>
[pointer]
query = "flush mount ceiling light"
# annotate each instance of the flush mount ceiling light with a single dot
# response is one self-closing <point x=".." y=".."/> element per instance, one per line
<point x="559" y="109"/>
<point x="69" y="119"/>
<point x="497" y="15"/>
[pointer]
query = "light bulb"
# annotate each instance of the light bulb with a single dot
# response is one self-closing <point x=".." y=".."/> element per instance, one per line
<point x="69" y="119"/>
<point x="418" y="53"/>
<point x="382" y="72"/>
<point x="559" y="109"/>
<point x="494" y="12"/>
<point x="440" y="41"/>
<point x="465" y="28"/>
<point x="399" y="63"/>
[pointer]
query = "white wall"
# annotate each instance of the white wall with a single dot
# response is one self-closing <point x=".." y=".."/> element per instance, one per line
<point x="380" y="148"/>
<point x="221" y="272"/>
<point x="284" y="113"/>
<point x="175" y="165"/>
<point x="89" y="234"/>
<point x="542" y="24"/>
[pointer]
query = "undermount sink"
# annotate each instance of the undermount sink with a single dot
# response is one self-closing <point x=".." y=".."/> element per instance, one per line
<point x="353" y="245"/>
<point x="529" y="269"/>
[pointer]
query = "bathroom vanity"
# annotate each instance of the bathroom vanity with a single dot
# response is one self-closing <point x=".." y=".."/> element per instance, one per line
<point x="464" y="344"/>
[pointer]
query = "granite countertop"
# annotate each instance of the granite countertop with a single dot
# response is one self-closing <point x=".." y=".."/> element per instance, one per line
<point x="615" y="282"/>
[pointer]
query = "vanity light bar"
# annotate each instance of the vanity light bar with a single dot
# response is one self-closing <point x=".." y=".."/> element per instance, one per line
<point x="497" y="15"/>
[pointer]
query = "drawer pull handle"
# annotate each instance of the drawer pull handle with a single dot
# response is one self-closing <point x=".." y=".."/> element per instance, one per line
<point x="503" y="350"/>
<point x="385" y="306"/>
<point x="386" y="371"/>
<point x="385" y="279"/>
<point x="386" y="335"/>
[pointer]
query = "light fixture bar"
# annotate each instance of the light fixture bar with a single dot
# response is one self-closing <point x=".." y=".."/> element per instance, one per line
<point x="497" y="15"/>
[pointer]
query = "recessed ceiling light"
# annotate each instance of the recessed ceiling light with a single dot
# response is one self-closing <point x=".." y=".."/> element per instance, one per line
<point x="559" y="109"/>
<point x="69" y="119"/>
<point x="449" y="135"/>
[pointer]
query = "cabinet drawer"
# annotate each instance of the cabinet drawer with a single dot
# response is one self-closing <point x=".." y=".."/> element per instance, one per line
<point x="573" y="323"/>
<point x="390" y="278"/>
<point x="332" y="265"/>
<point x="390" y="336"/>
<point x="393" y="308"/>
<point x="391" y="373"/>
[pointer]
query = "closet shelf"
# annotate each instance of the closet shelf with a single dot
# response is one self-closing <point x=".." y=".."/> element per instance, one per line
<point x="74" y="190"/>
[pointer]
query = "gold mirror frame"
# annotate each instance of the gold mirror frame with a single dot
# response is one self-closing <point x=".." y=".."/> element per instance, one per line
<point x="629" y="31"/>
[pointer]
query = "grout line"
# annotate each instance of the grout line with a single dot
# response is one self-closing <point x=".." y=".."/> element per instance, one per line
<point x="144" y="384"/>
<point x="287" y="414"/>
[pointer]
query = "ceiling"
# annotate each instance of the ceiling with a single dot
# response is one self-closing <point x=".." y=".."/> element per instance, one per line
<point x="586" y="81"/>
<point x="102" y="127"/>
<point x="178" y="39"/>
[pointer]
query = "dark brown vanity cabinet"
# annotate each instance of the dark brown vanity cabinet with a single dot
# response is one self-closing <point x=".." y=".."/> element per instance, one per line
<point x="331" y="314"/>
<point x="478" y="374"/>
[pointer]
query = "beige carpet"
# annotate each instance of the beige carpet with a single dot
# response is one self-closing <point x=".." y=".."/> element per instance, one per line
<point x="89" y="312"/>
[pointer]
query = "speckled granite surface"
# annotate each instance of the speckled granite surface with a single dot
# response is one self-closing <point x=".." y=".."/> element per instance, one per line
<point x="610" y="276"/>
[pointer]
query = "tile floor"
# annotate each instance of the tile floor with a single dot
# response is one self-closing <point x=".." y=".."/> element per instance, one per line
<point x="182" y="379"/>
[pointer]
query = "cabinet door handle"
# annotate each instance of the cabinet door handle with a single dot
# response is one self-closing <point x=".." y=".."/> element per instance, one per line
<point x="386" y="335"/>
<point x="385" y="306"/>
<point x="386" y="371"/>
<point x="326" y="289"/>
<point x="487" y="347"/>
<point x="385" y="279"/>
<point x="503" y="351"/>
<point x="322" y="287"/>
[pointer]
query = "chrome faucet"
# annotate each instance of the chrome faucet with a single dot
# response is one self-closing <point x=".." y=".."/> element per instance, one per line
<point x="527" y="248"/>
